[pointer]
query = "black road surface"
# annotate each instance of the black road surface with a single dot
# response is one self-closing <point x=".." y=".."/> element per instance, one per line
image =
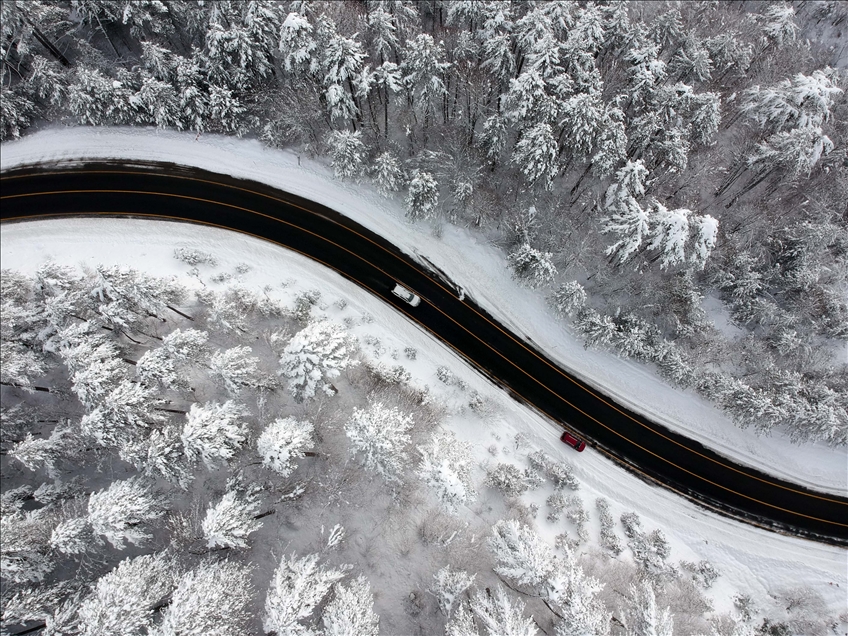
<point x="643" y="447"/>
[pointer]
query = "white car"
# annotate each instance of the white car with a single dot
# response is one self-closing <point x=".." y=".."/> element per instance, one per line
<point x="407" y="296"/>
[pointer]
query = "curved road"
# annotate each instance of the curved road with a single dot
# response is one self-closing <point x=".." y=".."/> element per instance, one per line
<point x="655" y="453"/>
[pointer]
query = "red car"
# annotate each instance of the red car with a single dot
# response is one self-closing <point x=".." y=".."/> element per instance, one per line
<point x="576" y="444"/>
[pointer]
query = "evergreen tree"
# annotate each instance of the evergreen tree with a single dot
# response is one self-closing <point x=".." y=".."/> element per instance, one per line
<point x="236" y="368"/>
<point x="351" y="610"/>
<point x="214" y="431"/>
<point x="211" y="600"/>
<point x="24" y="545"/>
<point x="388" y="173"/>
<point x="422" y="197"/>
<point x="123" y="602"/>
<point x="381" y="435"/>
<point x="315" y="355"/>
<point x="348" y="153"/>
<point x="283" y="441"/>
<point x="445" y="467"/>
<point x="230" y="521"/>
<point x="520" y="554"/>
<point x="118" y="511"/>
<point x="297" y="587"/>
<point x="669" y="234"/>
<point x="536" y="155"/>
<point x="500" y="616"/>
<point x="644" y="618"/>
<point x="507" y="479"/>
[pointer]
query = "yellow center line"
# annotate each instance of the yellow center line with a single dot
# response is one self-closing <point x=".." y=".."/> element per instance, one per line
<point x="529" y="350"/>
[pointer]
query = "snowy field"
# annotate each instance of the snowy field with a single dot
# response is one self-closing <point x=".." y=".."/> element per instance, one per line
<point x="749" y="560"/>
<point x="479" y="268"/>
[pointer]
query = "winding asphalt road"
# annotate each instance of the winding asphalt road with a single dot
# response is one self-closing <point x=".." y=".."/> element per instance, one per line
<point x="653" y="452"/>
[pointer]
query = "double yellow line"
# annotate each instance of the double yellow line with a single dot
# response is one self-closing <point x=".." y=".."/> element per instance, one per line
<point x="411" y="315"/>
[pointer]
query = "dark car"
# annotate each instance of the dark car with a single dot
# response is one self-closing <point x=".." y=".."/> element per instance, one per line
<point x="576" y="444"/>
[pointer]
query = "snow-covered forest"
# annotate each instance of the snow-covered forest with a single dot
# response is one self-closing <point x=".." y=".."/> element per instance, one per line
<point x="671" y="175"/>
<point x="193" y="454"/>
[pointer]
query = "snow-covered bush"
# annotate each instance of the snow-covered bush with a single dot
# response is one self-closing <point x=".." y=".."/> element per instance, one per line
<point x="448" y="586"/>
<point x="609" y="539"/>
<point x="507" y="479"/>
<point x="381" y="435"/>
<point x="230" y="521"/>
<point x="556" y="502"/>
<point x="194" y="257"/>
<point x="703" y="572"/>
<point x="314" y="356"/>
<point x="577" y="514"/>
<point x="283" y="441"/>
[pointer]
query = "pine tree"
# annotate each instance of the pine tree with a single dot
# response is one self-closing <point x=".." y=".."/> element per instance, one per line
<point x="315" y="355"/>
<point x="388" y="174"/>
<point x="351" y="610"/>
<point x="669" y="234"/>
<point x="520" y="554"/>
<point x="533" y="266"/>
<point x="445" y="467"/>
<point x="448" y="586"/>
<point x="24" y="545"/>
<point x="348" y="153"/>
<point x="230" y="521"/>
<point x="536" y="155"/>
<point x="214" y="431"/>
<point x="644" y="618"/>
<point x="422" y="197"/>
<point x="283" y="441"/>
<point x="211" y="600"/>
<point x="569" y="298"/>
<point x="74" y="536"/>
<point x="381" y="435"/>
<point x="705" y="241"/>
<point x="35" y="453"/>
<point x="122" y="602"/>
<point x="797" y="151"/>
<point x="779" y="24"/>
<point x="297" y="587"/>
<point x="507" y="479"/>
<point x="236" y="368"/>
<point x="122" y="416"/>
<point x="576" y="597"/>
<point x="118" y="511"/>
<point x="297" y="43"/>
<point x="500" y="616"/>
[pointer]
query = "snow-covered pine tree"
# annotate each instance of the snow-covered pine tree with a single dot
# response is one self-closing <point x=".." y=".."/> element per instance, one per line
<point x="500" y="615"/>
<point x="160" y="453"/>
<point x="706" y="234"/>
<point x="446" y="464"/>
<point x="283" y="441"/>
<point x="448" y="586"/>
<point x="36" y="453"/>
<point x="569" y="298"/>
<point x="19" y="365"/>
<point x="230" y="521"/>
<point x="297" y="587"/>
<point x="537" y="155"/>
<point x="74" y="536"/>
<point x="520" y="554"/>
<point x="797" y="151"/>
<point x="167" y="366"/>
<point x="800" y="101"/>
<point x="118" y="512"/>
<point x="422" y="197"/>
<point x="123" y="415"/>
<point x="669" y="234"/>
<point x="211" y="600"/>
<point x="779" y="24"/>
<point x="533" y="266"/>
<point x="643" y="617"/>
<point x="348" y="153"/>
<point x="315" y="355"/>
<point x="122" y="602"/>
<point x="388" y="173"/>
<point x="214" y="431"/>
<point x="381" y="435"/>
<point x="236" y="369"/>
<point x="24" y="545"/>
<point x="351" y="610"/>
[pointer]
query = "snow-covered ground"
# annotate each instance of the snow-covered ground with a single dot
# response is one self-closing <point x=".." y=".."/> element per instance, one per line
<point x="477" y="267"/>
<point x="750" y="560"/>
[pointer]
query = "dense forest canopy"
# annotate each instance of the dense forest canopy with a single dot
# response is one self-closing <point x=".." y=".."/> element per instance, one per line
<point x="651" y="166"/>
